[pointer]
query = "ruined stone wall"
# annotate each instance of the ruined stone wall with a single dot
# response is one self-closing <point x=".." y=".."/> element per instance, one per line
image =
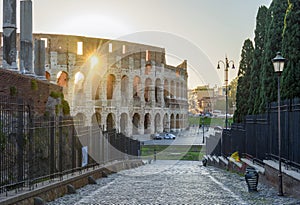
<point x="33" y="91"/>
<point x="118" y="82"/>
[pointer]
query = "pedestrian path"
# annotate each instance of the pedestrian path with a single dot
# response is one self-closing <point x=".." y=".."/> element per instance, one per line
<point x="174" y="182"/>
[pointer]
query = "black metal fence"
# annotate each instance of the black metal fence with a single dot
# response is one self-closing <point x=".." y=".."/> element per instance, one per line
<point x="258" y="136"/>
<point x="36" y="149"/>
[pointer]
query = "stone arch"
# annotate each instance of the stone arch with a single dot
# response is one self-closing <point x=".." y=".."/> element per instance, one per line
<point x="124" y="90"/>
<point x="110" y="121"/>
<point x="110" y="86"/>
<point x="177" y="121"/>
<point x="147" y="90"/>
<point x="96" y="88"/>
<point x="166" y="89"/>
<point x="136" y="88"/>
<point x="172" y="92"/>
<point x="124" y="123"/>
<point x="78" y="82"/>
<point x="96" y="119"/>
<point x="80" y="119"/>
<point x="172" y="119"/>
<point x="177" y="90"/>
<point x="136" y="119"/>
<point x="148" y="68"/>
<point x="158" y="91"/>
<point x="147" y="123"/>
<point x="166" y="123"/>
<point x="157" y="123"/>
<point x="62" y="78"/>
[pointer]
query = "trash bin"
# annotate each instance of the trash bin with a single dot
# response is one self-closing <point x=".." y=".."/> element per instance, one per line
<point x="204" y="162"/>
<point x="251" y="177"/>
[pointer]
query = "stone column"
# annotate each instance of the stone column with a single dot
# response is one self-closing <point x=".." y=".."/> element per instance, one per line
<point x="26" y="38"/>
<point x="9" y="35"/>
<point x="39" y="59"/>
<point x="130" y="92"/>
<point x="141" y="124"/>
<point x="152" y="93"/>
<point x="152" y="120"/>
<point x="161" y="94"/>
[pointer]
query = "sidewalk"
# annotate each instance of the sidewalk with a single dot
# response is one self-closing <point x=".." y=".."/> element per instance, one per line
<point x="55" y="185"/>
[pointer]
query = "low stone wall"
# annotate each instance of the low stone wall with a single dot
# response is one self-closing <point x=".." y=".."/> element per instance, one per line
<point x="58" y="189"/>
<point x="291" y="186"/>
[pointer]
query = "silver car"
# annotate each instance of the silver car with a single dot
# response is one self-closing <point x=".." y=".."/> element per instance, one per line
<point x="169" y="136"/>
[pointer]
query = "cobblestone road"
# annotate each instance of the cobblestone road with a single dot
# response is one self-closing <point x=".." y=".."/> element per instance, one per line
<point x="173" y="182"/>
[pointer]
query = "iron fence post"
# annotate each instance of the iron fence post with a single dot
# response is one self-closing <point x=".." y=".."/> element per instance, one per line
<point x="52" y="148"/>
<point x="20" y="141"/>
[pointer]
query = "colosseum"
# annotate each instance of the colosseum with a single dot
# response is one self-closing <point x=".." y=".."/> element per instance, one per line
<point x="117" y="84"/>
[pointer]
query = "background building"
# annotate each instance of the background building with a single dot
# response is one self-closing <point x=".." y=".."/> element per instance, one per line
<point x="116" y="84"/>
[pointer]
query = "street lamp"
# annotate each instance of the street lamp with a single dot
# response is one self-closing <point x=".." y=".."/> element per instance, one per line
<point x="201" y="123"/>
<point x="226" y="66"/>
<point x="278" y="63"/>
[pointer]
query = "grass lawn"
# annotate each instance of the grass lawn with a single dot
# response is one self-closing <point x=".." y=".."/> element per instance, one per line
<point x="173" y="152"/>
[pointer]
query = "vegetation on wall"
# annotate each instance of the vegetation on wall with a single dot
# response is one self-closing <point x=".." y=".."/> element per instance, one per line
<point x="34" y="85"/>
<point x="13" y="91"/>
<point x="63" y="106"/>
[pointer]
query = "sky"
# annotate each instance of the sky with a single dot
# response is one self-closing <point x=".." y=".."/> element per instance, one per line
<point x="200" y="31"/>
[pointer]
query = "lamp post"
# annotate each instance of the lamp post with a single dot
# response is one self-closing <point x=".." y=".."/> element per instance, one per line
<point x="203" y="129"/>
<point x="226" y="66"/>
<point x="278" y="63"/>
<point x="201" y="123"/>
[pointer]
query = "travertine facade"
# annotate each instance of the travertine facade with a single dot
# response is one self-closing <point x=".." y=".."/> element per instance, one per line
<point x="118" y="84"/>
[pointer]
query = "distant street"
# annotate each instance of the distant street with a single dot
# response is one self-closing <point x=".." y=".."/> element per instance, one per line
<point x="192" y="137"/>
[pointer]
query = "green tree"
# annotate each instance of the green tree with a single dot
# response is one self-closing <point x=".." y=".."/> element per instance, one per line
<point x="275" y="20"/>
<point x="255" y="76"/>
<point x="243" y="91"/>
<point x="232" y="93"/>
<point x="290" y="50"/>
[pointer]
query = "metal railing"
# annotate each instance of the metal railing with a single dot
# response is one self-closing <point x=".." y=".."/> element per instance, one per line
<point x="36" y="149"/>
<point x="258" y="135"/>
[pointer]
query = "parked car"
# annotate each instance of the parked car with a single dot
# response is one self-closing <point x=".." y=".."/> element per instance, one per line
<point x="156" y="136"/>
<point x="218" y="128"/>
<point x="169" y="136"/>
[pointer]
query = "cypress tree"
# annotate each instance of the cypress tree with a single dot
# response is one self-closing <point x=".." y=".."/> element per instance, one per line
<point x="290" y="50"/>
<point x="259" y="41"/>
<point x="243" y="91"/>
<point x="275" y="18"/>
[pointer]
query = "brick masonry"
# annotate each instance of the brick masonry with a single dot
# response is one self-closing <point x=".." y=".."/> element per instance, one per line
<point x="34" y="92"/>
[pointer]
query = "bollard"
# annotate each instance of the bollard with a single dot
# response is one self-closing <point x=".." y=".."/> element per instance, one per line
<point x="71" y="189"/>
<point x="251" y="177"/>
<point x="91" y="180"/>
<point x="38" y="201"/>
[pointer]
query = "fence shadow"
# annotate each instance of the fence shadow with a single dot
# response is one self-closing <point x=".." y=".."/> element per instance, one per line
<point x="34" y="149"/>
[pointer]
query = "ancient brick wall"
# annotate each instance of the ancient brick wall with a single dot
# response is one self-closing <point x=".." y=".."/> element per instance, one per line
<point x="35" y="92"/>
